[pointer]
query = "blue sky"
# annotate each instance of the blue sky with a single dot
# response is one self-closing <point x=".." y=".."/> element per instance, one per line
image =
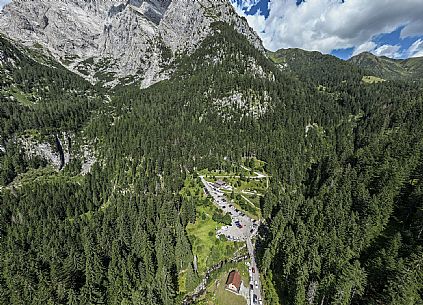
<point x="344" y="28"/>
<point x="392" y="28"/>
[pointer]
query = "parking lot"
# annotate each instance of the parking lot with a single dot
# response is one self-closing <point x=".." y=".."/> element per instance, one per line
<point x="242" y="227"/>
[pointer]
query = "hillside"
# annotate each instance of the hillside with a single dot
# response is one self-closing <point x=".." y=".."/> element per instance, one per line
<point x="324" y="70"/>
<point x="330" y="166"/>
<point x="388" y="68"/>
<point x="112" y="42"/>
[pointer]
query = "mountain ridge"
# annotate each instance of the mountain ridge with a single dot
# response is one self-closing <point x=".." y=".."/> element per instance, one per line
<point x="389" y="68"/>
<point x="117" y="41"/>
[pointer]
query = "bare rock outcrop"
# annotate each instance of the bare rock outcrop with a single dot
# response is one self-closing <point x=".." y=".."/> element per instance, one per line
<point x="118" y="40"/>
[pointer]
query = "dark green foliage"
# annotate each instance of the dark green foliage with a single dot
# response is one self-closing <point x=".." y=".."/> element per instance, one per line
<point x="57" y="99"/>
<point x="393" y="69"/>
<point x="343" y="211"/>
<point x="317" y="68"/>
<point x="222" y="218"/>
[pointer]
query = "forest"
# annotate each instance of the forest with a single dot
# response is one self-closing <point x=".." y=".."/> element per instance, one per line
<point x="343" y="216"/>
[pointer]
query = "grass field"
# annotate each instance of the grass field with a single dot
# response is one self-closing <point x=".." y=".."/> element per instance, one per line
<point x="206" y="246"/>
<point x="216" y="293"/>
<point x="258" y="186"/>
<point x="202" y="234"/>
<point x="21" y="97"/>
<point x="193" y="189"/>
<point x="254" y="163"/>
<point x="372" y="79"/>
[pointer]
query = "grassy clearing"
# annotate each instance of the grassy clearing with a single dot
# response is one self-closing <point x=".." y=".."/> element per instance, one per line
<point x="18" y="95"/>
<point x="248" y="202"/>
<point x="275" y="58"/>
<point x="202" y="234"/>
<point x="372" y="79"/>
<point x="193" y="188"/>
<point x="249" y="209"/>
<point x="254" y="163"/>
<point x="205" y="245"/>
<point x="216" y="293"/>
<point x="255" y="200"/>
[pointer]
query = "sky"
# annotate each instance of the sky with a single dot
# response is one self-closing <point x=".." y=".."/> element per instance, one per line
<point x="344" y="28"/>
<point x="3" y="2"/>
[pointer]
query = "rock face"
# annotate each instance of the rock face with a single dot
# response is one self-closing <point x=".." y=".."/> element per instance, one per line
<point x="57" y="154"/>
<point x="108" y="40"/>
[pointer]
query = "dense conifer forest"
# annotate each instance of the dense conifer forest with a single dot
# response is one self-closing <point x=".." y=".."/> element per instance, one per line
<point x="343" y="216"/>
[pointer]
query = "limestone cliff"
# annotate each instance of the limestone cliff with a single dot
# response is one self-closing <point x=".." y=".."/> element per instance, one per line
<point x="118" y="40"/>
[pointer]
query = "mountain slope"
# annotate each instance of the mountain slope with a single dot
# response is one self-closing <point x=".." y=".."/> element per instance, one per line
<point x="108" y="41"/>
<point x="324" y="70"/>
<point x="341" y="217"/>
<point x="388" y="68"/>
<point x="118" y="232"/>
<point x="43" y="107"/>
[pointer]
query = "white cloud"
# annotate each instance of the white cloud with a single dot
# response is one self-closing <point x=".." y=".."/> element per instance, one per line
<point x="416" y="49"/>
<point x="388" y="51"/>
<point x="3" y="3"/>
<point x="324" y="25"/>
<point x="245" y="4"/>
<point x="256" y="21"/>
<point x="365" y="47"/>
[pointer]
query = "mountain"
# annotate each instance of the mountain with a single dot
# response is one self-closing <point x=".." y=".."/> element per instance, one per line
<point x="42" y="106"/>
<point x="118" y="41"/>
<point x="388" y="68"/>
<point x="101" y="192"/>
<point x="316" y="67"/>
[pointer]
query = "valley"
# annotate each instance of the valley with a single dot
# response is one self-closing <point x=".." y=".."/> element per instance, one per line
<point x="154" y="153"/>
<point x="239" y="228"/>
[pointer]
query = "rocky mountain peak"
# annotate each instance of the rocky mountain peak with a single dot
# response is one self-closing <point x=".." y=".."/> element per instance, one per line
<point x="112" y="40"/>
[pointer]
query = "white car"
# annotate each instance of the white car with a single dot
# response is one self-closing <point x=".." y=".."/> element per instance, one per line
<point x="256" y="284"/>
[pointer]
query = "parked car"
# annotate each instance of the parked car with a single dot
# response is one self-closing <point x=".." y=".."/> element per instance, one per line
<point x="256" y="284"/>
<point x="251" y="287"/>
<point x="260" y="302"/>
<point x="255" y="298"/>
<point x="253" y="269"/>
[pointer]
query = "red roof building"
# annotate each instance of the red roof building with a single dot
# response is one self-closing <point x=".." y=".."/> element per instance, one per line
<point x="234" y="281"/>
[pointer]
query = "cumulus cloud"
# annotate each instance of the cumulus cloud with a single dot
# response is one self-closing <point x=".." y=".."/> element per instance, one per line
<point x="245" y="4"/>
<point x="325" y="25"/>
<point x="416" y="49"/>
<point x="256" y="21"/>
<point x="388" y="51"/>
<point x="3" y="3"/>
<point x="365" y="47"/>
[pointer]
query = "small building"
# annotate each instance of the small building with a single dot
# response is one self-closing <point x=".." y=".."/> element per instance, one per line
<point x="234" y="281"/>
